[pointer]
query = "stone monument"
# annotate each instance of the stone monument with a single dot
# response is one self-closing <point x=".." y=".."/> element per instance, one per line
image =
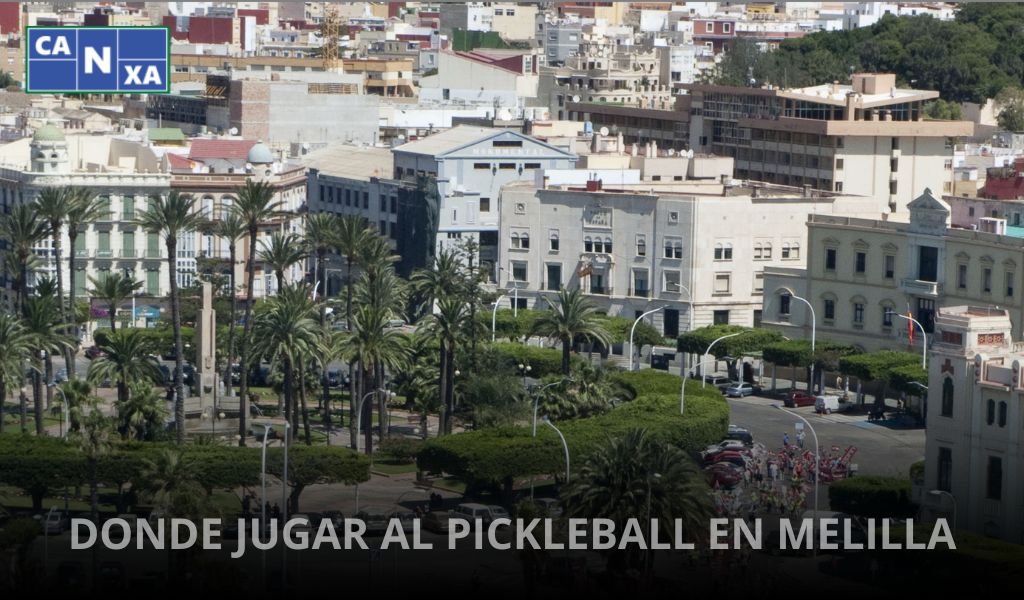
<point x="206" y="349"/>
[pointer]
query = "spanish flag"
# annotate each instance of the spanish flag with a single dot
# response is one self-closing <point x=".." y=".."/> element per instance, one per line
<point x="910" y="326"/>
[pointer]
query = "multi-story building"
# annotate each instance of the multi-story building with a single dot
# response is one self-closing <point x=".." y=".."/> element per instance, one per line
<point x="869" y="138"/>
<point x="383" y="77"/>
<point x="470" y="165"/>
<point x="696" y="247"/>
<point x="560" y="40"/>
<point x="861" y="271"/>
<point x="506" y="78"/>
<point x="514" y="21"/>
<point x="973" y="448"/>
<point x="668" y="128"/>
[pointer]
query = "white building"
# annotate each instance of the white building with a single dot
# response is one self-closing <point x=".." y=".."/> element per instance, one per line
<point x="973" y="447"/>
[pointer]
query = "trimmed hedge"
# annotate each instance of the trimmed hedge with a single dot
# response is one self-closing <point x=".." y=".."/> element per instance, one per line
<point x="542" y="361"/>
<point x="162" y="337"/>
<point x="872" y="496"/>
<point x="648" y="381"/>
<point x="493" y="457"/>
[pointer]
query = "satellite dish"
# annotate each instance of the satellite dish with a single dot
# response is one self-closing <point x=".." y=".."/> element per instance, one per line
<point x="576" y="98"/>
<point x="604" y="131"/>
<point x="671" y="152"/>
<point x="233" y="131"/>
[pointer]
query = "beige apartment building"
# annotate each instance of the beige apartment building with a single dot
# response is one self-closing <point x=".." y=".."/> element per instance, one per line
<point x="861" y="271"/>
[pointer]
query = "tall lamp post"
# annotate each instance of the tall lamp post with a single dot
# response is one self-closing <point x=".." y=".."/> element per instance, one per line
<point x="263" y="478"/>
<point x="814" y="327"/>
<point x="66" y="414"/>
<point x="359" y="411"/>
<point x="548" y="422"/>
<point x="649" y="560"/>
<point x="494" y="315"/>
<point x="924" y="337"/>
<point x="682" y="365"/>
<point x="817" y="456"/>
<point x="703" y="377"/>
<point x="536" y="400"/>
<point x="941" y="493"/>
<point x="633" y="328"/>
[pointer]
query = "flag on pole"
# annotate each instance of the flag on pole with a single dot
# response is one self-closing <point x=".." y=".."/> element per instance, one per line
<point x="910" y="326"/>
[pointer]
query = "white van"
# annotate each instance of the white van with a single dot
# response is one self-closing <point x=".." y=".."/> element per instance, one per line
<point x="830" y="404"/>
<point x="471" y="511"/>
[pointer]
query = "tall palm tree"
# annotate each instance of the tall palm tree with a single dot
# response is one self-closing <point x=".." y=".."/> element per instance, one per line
<point x="47" y="333"/>
<point x="376" y="348"/>
<point x="23" y="229"/>
<point x="171" y="480"/>
<point x="448" y="323"/>
<point x="445" y="278"/>
<point x="115" y="289"/>
<point x="15" y="349"/>
<point x="172" y="217"/>
<point x="254" y="205"/>
<point x="142" y="414"/>
<point x="231" y="229"/>
<point x="84" y="208"/>
<point x="352" y="235"/>
<point x="288" y="334"/>
<point x="572" y="317"/>
<point x="53" y="204"/>
<point x="128" y="358"/>
<point x="283" y="251"/>
<point x="79" y="396"/>
<point x="93" y="440"/>
<point x="634" y="474"/>
<point x="320" y="235"/>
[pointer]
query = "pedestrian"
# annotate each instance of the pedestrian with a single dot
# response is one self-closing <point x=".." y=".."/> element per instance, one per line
<point x="800" y="439"/>
<point x="276" y="511"/>
<point x="246" y="504"/>
<point x="785" y="440"/>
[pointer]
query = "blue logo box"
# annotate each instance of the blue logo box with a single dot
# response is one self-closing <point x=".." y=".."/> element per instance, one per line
<point x="88" y="60"/>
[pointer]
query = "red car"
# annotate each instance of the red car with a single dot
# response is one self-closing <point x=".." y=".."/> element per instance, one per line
<point x="724" y="475"/>
<point x="795" y="399"/>
<point x="94" y="352"/>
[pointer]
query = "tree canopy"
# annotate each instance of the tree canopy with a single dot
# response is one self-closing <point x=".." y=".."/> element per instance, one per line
<point x="797" y="353"/>
<point x="749" y="340"/>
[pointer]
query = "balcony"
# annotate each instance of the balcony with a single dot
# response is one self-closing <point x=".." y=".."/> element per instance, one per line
<point x="154" y="253"/>
<point x="129" y="253"/>
<point x="640" y="292"/>
<point x="105" y="216"/>
<point x="128" y="217"/>
<point x="601" y="290"/>
<point x="105" y="253"/>
<point x="82" y="253"/>
<point x="921" y="288"/>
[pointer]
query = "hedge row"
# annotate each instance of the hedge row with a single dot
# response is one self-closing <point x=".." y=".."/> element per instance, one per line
<point x="162" y="337"/>
<point x="872" y="496"/>
<point x="542" y="361"/>
<point x="493" y="457"/>
<point x="648" y="381"/>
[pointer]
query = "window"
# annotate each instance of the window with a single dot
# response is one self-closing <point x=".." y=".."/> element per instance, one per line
<point x="830" y="310"/>
<point x="519" y="271"/>
<point x="928" y="263"/>
<point x="481" y="166"/>
<point x="766" y="251"/>
<point x="641" y="245"/>
<point x="1009" y="284"/>
<point x="722" y="282"/>
<point x="553" y="240"/>
<point x="383" y="203"/>
<point x="507" y="166"/>
<point x="348" y="197"/>
<point x="893" y="187"/>
<point x="721" y="317"/>
<point x="994" y="484"/>
<point x="673" y="248"/>
<point x="839" y="164"/>
<point x="830" y="259"/>
<point x="945" y="474"/>
<point x="784" y="301"/>
<point x="986" y="280"/>
<point x="961" y="276"/>
<point x="970" y="211"/>
<point x="709" y="27"/>
<point x="890" y="266"/>
<point x="607" y="245"/>
<point x="758" y="282"/>
<point x="886" y="316"/>
<point x="758" y="250"/>
<point x="726" y="27"/>
<point x="366" y="199"/>
<point x="554" y="282"/>
<point x="383" y="228"/>
<point x="990" y="412"/>
<point x="858" y="314"/>
<point x="723" y="251"/>
<point x="153" y="282"/>
<point x="672" y="283"/>
<point x="524" y="239"/>
<point x="507" y="144"/>
<point x="1002" y="414"/>
<point x="394" y="205"/>
<point x="531" y="166"/>
<point x="520" y="241"/>
<point x="860" y="263"/>
<point x="947" y="397"/>
<point x="588" y="245"/>
<point x="640" y="287"/>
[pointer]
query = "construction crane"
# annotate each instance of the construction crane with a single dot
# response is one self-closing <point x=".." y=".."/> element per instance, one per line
<point x="329" y="36"/>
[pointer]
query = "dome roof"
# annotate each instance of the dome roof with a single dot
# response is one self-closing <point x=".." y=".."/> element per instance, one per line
<point x="260" y="154"/>
<point x="48" y="133"/>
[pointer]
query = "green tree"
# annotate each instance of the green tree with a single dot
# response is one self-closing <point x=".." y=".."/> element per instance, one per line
<point x="171" y="480"/>
<point x="93" y="440"/>
<point x="748" y="341"/>
<point x="1010" y="102"/>
<point x="128" y="359"/>
<point x="16" y="345"/>
<point x="84" y="208"/>
<point x="633" y="476"/>
<point x="231" y="229"/>
<point x="283" y="251"/>
<point x="320" y="236"/>
<point x="311" y="465"/>
<point x="80" y="398"/>
<point x="569" y="319"/>
<point x="172" y="217"/>
<point x="42" y="319"/>
<point x="115" y="289"/>
<point x="141" y="416"/>
<point x="589" y="392"/>
<point x="53" y="204"/>
<point x="254" y="205"/>
<point x="943" y="110"/>
<point x="447" y="325"/>
<point x="22" y="230"/>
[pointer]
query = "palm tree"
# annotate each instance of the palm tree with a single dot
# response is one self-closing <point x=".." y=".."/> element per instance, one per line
<point x="590" y="392"/>
<point x="171" y="480"/>
<point x="15" y="349"/>
<point x="84" y="208"/>
<point x="448" y="324"/>
<point x="445" y="278"/>
<point x="79" y="396"/>
<point x="283" y="251"/>
<point x="115" y="289"/>
<point x="253" y="206"/>
<point x="231" y="229"/>
<point x="634" y="474"/>
<point x="288" y="335"/>
<point x="47" y="333"/>
<point x="142" y="414"/>
<point x="93" y="441"/>
<point x="320" y="233"/>
<point x="352" y="235"/>
<point x="172" y="217"/>
<point x="22" y="229"/>
<point x="53" y="204"/>
<point x="574" y="316"/>
<point x="128" y="358"/>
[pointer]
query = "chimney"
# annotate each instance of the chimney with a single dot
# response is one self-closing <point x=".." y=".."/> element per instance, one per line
<point x="807" y="190"/>
<point x="595" y="142"/>
<point x="594" y="185"/>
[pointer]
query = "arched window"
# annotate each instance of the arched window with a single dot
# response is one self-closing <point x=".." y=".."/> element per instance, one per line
<point x="608" y="245"/>
<point x="588" y="244"/>
<point x="758" y="249"/>
<point x="1002" y="414"/>
<point x="516" y="241"/>
<point x="947" y="397"/>
<point x="766" y="252"/>
<point x="524" y="241"/>
<point x="990" y="415"/>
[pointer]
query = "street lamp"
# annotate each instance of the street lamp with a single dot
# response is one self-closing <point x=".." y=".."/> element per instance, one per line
<point x="924" y="337"/>
<point x="263" y="478"/>
<point x="66" y="415"/>
<point x="633" y="328"/>
<point x="649" y="562"/>
<point x="814" y="326"/>
<point x="524" y="370"/>
<point x="494" y="315"/>
<point x="536" y="398"/>
<point x="359" y="411"/>
<point x="703" y="377"/>
<point x="548" y="422"/>
<point x="941" y="493"/>
<point x="284" y="478"/>
<point x="817" y="456"/>
<point x="682" y="365"/>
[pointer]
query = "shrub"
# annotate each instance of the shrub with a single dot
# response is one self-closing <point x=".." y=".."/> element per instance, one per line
<point x="401" y="449"/>
<point x="647" y="381"/>
<point x="542" y="361"/>
<point x="872" y="496"/>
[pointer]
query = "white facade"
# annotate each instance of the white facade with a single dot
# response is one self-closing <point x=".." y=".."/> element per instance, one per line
<point x="973" y="445"/>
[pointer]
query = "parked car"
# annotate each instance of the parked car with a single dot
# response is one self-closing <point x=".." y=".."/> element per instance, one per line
<point x="257" y="433"/>
<point x="549" y="506"/>
<point x="55" y="522"/>
<point x="471" y="511"/>
<point x="406" y="517"/>
<point x="61" y="376"/>
<point x="94" y="352"/>
<point x="739" y="390"/>
<point x="376" y="522"/>
<point x="796" y="399"/>
<point x="497" y="512"/>
<point x="741" y="434"/>
<point x="395" y="323"/>
<point x="436" y="521"/>
<point x="725" y="445"/>
<point x="724" y="475"/>
<point x="831" y="404"/>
